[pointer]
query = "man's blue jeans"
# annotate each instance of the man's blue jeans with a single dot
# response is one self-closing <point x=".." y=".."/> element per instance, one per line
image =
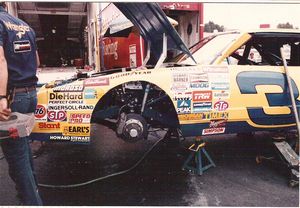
<point x="18" y="154"/>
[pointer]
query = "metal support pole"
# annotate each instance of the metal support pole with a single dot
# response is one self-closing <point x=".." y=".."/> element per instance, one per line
<point x="291" y="92"/>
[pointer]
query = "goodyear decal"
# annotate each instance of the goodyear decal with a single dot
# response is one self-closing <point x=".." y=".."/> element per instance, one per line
<point x="202" y="107"/>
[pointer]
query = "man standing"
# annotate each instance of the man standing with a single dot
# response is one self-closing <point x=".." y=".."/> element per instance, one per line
<point x="18" y="65"/>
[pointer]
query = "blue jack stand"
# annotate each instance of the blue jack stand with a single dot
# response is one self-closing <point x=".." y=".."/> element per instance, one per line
<point x="196" y="149"/>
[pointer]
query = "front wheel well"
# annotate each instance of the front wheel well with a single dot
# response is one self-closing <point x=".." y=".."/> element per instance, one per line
<point x="129" y="97"/>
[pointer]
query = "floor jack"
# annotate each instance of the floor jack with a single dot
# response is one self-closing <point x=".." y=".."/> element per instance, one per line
<point x="288" y="157"/>
<point x="194" y="162"/>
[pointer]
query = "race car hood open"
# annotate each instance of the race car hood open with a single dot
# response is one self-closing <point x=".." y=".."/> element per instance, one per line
<point x="152" y="23"/>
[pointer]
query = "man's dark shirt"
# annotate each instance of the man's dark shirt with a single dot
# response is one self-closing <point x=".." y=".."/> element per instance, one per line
<point x="18" y="42"/>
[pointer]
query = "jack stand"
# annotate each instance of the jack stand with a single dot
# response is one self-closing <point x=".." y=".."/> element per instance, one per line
<point x="196" y="149"/>
<point x="290" y="159"/>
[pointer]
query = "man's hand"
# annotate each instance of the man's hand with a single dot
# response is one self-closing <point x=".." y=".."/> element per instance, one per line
<point x="4" y="110"/>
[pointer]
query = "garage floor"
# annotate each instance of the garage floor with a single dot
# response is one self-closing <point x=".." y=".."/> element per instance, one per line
<point x="158" y="180"/>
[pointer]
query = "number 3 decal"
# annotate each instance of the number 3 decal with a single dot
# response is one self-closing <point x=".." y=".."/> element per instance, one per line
<point x="247" y="82"/>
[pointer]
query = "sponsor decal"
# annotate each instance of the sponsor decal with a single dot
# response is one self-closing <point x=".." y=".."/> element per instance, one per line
<point x="202" y="85"/>
<point x="217" y="123"/>
<point x="204" y="116"/>
<point x="65" y="96"/>
<point x="179" y="87"/>
<point x="219" y="85"/>
<point x="215" y="69"/>
<point x="180" y="78"/>
<point x="99" y="81"/>
<point x="140" y="72"/>
<point x="202" y="96"/>
<point x="22" y="46"/>
<point x="65" y="102"/>
<point x="190" y="117"/>
<point x="183" y="106"/>
<point x="57" y="115"/>
<point x="40" y="112"/>
<point x="79" y="118"/>
<point x="198" y="77"/>
<point x="76" y="131"/>
<point x="215" y="115"/>
<point x="211" y="131"/>
<point x="183" y="96"/>
<point x="202" y="107"/>
<point x="71" y="138"/>
<point x="221" y="94"/>
<point x="49" y="126"/>
<point x="221" y="105"/>
<point x="90" y="94"/>
<point x="70" y="107"/>
<point x="69" y="88"/>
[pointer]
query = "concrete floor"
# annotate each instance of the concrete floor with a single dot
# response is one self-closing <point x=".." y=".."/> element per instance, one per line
<point x="159" y="180"/>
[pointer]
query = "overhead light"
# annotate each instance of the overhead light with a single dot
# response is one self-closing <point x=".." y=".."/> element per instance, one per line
<point x="53" y="31"/>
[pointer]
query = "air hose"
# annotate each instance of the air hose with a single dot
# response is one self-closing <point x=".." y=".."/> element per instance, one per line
<point x="107" y="176"/>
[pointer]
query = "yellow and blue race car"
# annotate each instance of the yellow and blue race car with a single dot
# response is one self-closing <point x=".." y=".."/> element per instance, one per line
<point x="230" y="82"/>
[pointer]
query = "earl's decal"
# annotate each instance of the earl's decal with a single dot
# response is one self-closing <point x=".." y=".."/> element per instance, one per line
<point x="76" y="131"/>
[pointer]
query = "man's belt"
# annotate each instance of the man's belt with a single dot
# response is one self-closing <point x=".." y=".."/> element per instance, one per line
<point x="24" y="89"/>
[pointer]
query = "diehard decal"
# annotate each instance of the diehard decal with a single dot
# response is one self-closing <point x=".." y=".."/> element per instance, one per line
<point x="65" y="96"/>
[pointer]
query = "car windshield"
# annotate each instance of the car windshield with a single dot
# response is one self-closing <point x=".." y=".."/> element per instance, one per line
<point x="208" y="53"/>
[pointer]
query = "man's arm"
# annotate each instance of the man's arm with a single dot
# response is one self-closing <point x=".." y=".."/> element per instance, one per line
<point x="37" y="59"/>
<point x="4" y="109"/>
<point x="3" y="72"/>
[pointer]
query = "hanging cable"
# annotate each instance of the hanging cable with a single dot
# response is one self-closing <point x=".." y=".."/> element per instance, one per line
<point x="108" y="176"/>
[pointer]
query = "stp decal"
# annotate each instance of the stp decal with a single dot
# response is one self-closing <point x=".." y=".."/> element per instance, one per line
<point x="221" y="105"/>
<point x="57" y="115"/>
